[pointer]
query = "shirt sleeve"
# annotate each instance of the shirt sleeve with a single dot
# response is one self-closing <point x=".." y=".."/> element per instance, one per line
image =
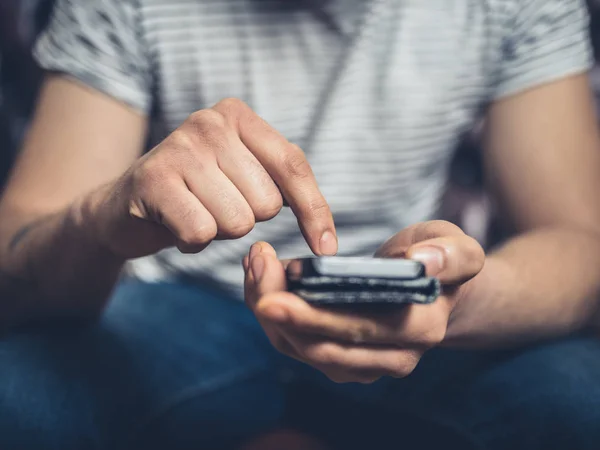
<point x="99" y="43"/>
<point x="545" y="40"/>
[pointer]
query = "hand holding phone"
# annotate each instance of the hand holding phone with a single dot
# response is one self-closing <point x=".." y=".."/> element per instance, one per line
<point x="379" y="340"/>
<point x="360" y="281"/>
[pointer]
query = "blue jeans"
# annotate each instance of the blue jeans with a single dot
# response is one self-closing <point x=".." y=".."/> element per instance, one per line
<point x="178" y="367"/>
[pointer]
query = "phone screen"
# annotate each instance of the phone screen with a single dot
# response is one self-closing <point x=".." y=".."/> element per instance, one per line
<point x="367" y="267"/>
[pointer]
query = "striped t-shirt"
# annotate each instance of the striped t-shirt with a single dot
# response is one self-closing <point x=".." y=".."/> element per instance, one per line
<point x="376" y="92"/>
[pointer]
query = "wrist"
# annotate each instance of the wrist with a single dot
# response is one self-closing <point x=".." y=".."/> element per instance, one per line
<point x="480" y="300"/>
<point x="91" y="218"/>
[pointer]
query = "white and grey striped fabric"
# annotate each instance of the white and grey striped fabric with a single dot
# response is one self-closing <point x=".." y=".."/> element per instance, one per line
<point x="376" y="92"/>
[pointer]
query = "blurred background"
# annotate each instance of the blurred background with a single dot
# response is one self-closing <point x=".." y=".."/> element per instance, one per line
<point x="21" y="20"/>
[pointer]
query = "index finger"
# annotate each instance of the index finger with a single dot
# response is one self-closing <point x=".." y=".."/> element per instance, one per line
<point x="288" y="167"/>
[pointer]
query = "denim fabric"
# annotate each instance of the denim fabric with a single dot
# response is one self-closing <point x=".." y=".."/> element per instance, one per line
<point x="178" y="367"/>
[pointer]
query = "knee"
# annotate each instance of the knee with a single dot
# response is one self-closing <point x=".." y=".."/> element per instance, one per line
<point x="567" y="393"/>
<point x="574" y="406"/>
<point x="557" y="418"/>
<point x="550" y="398"/>
<point x="569" y="413"/>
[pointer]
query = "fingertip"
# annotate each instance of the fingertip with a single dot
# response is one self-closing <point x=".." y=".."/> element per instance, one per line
<point x="432" y="257"/>
<point x="268" y="249"/>
<point x="265" y="247"/>
<point x="452" y="259"/>
<point x="328" y="244"/>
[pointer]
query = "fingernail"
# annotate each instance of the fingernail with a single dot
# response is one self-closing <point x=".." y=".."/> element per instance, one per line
<point x="328" y="245"/>
<point x="258" y="267"/>
<point x="276" y="313"/>
<point x="432" y="257"/>
<point x="255" y="250"/>
<point x="245" y="263"/>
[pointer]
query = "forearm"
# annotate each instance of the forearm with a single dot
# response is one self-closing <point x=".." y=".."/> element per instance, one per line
<point x="539" y="285"/>
<point x="52" y="266"/>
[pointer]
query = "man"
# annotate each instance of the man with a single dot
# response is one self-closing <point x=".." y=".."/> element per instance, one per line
<point x="375" y="93"/>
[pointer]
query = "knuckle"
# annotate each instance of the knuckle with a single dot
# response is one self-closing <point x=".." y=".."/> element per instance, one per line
<point x="204" y="134"/>
<point x="268" y="207"/>
<point x="321" y="354"/>
<point x="202" y="165"/>
<point x="185" y="149"/>
<point x="238" y="226"/>
<point x="404" y="365"/>
<point x="181" y="139"/>
<point x="207" y="121"/>
<point x="231" y="105"/>
<point x="362" y="333"/>
<point x="198" y="236"/>
<point x="147" y="173"/>
<point x="369" y="330"/>
<point x="149" y="177"/>
<point x="356" y="336"/>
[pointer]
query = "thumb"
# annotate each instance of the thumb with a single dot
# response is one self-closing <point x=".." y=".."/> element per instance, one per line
<point x="265" y="275"/>
<point x="452" y="259"/>
<point x="268" y="274"/>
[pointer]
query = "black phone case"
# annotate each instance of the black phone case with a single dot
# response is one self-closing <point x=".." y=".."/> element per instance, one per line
<point x="328" y="290"/>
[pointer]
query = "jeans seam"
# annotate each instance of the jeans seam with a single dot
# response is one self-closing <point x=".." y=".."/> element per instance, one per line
<point x="185" y="395"/>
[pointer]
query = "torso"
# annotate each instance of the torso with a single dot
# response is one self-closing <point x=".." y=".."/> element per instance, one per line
<point x="376" y="97"/>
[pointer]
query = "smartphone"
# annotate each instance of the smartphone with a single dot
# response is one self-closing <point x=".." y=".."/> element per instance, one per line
<point x="355" y="280"/>
<point x="356" y="267"/>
